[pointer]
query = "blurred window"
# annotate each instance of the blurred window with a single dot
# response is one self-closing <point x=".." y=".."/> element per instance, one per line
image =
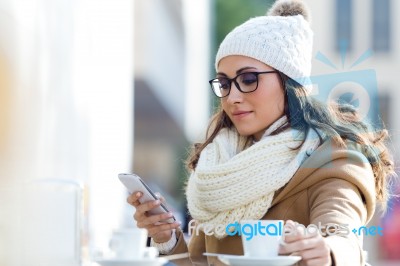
<point x="381" y="25"/>
<point x="344" y="25"/>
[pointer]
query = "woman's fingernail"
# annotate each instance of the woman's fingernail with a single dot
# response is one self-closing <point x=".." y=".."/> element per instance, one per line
<point x="138" y="194"/>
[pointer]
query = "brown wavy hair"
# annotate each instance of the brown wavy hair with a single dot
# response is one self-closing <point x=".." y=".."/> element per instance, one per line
<point x="340" y="122"/>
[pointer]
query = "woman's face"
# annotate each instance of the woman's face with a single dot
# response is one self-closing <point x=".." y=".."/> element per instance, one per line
<point x="252" y="113"/>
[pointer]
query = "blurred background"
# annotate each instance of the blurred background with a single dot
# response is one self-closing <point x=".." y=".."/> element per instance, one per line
<point x="93" y="88"/>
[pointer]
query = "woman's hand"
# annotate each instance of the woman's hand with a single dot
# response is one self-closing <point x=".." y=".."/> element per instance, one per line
<point x="160" y="233"/>
<point x="311" y="246"/>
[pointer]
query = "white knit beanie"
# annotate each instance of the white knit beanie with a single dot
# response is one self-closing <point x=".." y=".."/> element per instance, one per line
<point x="282" y="39"/>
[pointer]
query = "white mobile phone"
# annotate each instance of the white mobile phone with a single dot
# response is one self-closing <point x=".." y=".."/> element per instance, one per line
<point x="134" y="183"/>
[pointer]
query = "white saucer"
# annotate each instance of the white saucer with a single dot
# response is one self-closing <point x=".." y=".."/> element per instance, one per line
<point x="132" y="262"/>
<point x="235" y="260"/>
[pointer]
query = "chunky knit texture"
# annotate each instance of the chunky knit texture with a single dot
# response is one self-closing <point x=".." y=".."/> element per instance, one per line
<point x="282" y="42"/>
<point x="230" y="185"/>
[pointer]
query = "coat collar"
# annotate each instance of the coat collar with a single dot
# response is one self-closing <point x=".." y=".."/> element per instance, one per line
<point x="332" y="161"/>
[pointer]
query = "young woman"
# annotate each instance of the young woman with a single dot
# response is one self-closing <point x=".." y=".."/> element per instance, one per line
<point x="272" y="151"/>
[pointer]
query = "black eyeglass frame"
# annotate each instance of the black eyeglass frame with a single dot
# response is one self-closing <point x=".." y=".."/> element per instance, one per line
<point x="215" y="80"/>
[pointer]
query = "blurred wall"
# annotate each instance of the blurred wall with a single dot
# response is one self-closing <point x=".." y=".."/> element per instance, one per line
<point x="172" y="43"/>
<point x="5" y="105"/>
<point x="172" y="63"/>
<point x="66" y="114"/>
<point x="325" y="23"/>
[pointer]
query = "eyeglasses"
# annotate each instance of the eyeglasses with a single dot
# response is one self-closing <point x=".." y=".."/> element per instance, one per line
<point x="245" y="83"/>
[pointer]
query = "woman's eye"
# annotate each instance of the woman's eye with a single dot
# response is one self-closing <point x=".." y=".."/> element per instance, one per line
<point x="249" y="78"/>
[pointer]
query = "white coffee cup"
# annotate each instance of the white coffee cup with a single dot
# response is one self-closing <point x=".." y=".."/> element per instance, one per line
<point x="130" y="243"/>
<point x="261" y="238"/>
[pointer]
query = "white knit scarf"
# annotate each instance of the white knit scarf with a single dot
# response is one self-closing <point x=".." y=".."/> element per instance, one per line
<point x="230" y="185"/>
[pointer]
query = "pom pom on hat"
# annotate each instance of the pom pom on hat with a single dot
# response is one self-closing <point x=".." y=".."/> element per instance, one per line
<point x="283" y="40"/>
<point x="287" y="8"/>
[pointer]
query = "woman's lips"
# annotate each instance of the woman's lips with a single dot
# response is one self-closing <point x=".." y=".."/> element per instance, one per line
<point x="240" y="114"/>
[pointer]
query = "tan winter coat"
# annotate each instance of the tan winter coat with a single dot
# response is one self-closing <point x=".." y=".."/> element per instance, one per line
<point x="334" y="185"/>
